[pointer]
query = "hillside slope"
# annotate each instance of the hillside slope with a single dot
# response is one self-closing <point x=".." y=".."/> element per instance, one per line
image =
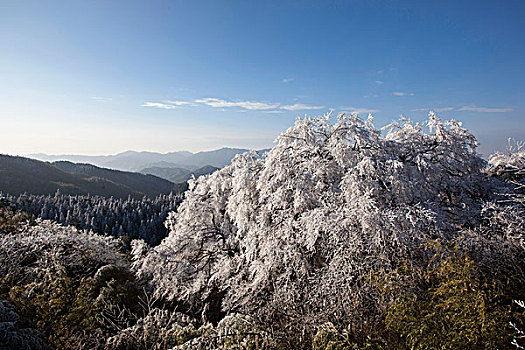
<point x="149" y="185"/>
<point x="19" y="175"/>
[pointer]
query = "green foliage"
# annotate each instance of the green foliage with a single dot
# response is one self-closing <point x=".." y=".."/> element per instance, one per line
<point x="158" y="330"/>
<point x="450" y="304"/>
<point x="10" y="220"/>
<point x="47" y="303"/>
<point x="65" y="311"/>
<point x="233" y="332"/>
<point x="162" y="329"/>
<point x="329" y="338"/>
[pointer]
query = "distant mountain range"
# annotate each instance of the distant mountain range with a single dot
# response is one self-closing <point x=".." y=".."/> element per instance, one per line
<point x="131" y="173"/>
<point x="137" y="161"/>
<point x="19" y="175"/>
<point x="178" y="175"/>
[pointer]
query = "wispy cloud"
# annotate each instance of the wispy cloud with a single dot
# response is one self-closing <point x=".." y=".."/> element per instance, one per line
<point x="168" y="104"/>
<point x="358" y="110"/>
<point x="178" y="103"/>
<point x="379" y="82"/>
<point x="244" y="106"/>
<point x="441" y="109"/>
<point x="400" y="93"/>
<point x="473" y="108"/>
<point x="300" y="107"/>
<point x="251" y="105"/>
<point x="288" y="80"/>
<point x="158" y="105"/>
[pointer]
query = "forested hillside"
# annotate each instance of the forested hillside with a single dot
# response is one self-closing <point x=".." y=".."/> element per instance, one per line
<point x="23" y="175"/>
<point x="340" y="237"/>
<point x="147" y="185"/>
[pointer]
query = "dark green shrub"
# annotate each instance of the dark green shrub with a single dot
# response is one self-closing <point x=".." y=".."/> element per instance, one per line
<point x="450" y="304"/>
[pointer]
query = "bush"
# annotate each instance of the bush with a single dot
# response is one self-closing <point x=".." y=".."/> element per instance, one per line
<point x="450" y="304"/>
<point x="66" y="285"/>
<point x="10" y="220"/>
<point x="329" y="338"/>
<point x="12" y="333"/>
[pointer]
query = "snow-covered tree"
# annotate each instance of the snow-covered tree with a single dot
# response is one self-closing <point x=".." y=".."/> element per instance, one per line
<point x="289" y="233"/>
<point x="510" y="168"/>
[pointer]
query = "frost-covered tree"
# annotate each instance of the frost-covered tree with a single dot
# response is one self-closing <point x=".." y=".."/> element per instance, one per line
<point x="58" y="282"/>
<point x="506" y="214"/>
<point x="287" y="235"/>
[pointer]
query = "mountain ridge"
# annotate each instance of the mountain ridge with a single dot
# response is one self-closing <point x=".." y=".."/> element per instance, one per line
<point x="138" y="160"/>
<point x="24" y="175"/>
<point x="178" y="175"/>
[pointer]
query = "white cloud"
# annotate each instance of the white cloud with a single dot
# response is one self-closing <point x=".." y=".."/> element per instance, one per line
<point x="274" y="112"/>
<point x="178" y="103"/>
<point x="288" y="80"/>
<point x="251" y="105"/>
<point x="359" y="110"/>
<point x="379" y="82"/>
<point x="399" y="93"/>
<point x="243" y="105"/>
<point x="473" y="108"/>
<point x="300" y="107"/>
<point x="158" y="105"/>
<point x="442" y="109"/>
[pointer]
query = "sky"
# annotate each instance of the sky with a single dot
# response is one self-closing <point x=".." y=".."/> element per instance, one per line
<point x="102" y="77"/>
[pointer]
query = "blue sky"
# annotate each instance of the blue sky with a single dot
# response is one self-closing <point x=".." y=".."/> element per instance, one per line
<point x="101" y="77"/>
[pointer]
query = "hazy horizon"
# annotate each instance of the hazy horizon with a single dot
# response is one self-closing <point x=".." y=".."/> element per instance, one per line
<point x="130" y="150"/>
<point x="484" y="151"/>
